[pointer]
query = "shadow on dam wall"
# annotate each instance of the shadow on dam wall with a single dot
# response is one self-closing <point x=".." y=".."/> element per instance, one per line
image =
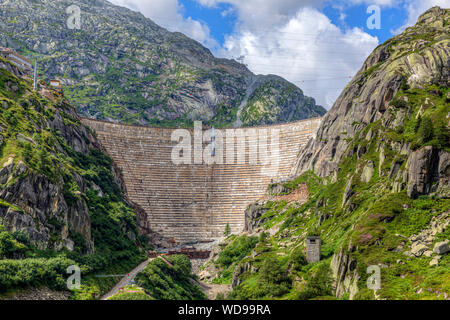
<point x="195" y="202"/>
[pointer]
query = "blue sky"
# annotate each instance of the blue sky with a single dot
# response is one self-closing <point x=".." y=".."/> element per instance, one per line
<point x="355" y="16"/>
<point x="318" y="45"/>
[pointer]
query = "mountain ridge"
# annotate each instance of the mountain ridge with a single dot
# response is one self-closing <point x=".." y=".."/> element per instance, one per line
<point x="123" y="67"/>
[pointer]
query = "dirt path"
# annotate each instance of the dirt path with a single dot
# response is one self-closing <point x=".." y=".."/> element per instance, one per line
<point x="126" y="280"/>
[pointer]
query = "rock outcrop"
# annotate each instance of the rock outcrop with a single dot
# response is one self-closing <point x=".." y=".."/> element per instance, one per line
<point x="253" y="217"/>
<point x="422" y="168"/>
<point x="343" y="268"/>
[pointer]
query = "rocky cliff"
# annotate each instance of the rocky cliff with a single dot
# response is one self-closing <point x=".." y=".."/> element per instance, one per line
<point x="397" y="85"/>
<point x="48" y="177"/>
<point x="120" y="66"/>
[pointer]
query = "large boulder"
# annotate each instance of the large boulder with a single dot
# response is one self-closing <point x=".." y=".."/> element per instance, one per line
<point x="418" y="249"/>
<point x="441" y="247"/>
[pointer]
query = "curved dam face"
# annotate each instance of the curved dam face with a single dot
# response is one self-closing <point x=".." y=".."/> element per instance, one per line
<point x="193" y="183"/>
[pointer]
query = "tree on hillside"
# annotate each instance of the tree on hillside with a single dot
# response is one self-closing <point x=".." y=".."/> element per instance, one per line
<point x="425" y="130"/>
<point x="227" y="230"/>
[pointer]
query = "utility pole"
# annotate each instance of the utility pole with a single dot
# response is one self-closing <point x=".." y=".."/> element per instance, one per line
<point x="35" y="74"/>
<point x="213" y="143"/>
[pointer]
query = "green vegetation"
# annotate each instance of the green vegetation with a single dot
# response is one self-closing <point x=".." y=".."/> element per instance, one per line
<point x="131" y="293"/>
<point x="426" y="125"/>
<point x="318" y="285"/>
<point x="9" y="245"/>
<point x="273" y="100"/>
<point x="236" y="250"/>
<point x="48" y="155"/>
<point x="227" y="230"/>
<point x="164" y="282"/>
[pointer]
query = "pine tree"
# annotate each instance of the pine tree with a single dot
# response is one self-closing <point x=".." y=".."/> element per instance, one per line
<point x="442" y="135"/>
<point x="426" y="130"/>
<point x="227" y="230"/>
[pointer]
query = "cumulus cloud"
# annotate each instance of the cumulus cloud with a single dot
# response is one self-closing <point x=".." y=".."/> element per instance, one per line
<point x="268" y="13"/>
<point x="169" y="14"/>
<point x="293" y="39"/>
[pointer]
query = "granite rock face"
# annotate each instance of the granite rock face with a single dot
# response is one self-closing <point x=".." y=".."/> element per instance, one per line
<point x="253" y="217"/>
<point x="418" y="57"/>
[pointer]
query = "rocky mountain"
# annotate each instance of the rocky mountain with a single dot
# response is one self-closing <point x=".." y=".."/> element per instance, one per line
<point x="394" y="94"/>
<point x="120" y="66"/>
<point x="378" y="181"/>
<point x="61" y="199"/>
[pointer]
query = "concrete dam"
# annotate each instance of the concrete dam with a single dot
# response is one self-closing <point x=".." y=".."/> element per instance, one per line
<point x="192" y="197"/>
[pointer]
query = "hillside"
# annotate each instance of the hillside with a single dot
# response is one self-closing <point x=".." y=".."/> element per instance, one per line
<point x="61" y="199"/>
<point x="120" y="66"/>
<point x="378" y="177"/>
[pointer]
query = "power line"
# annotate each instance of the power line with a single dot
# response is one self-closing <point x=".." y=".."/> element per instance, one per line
<point x="292" y="66"/>
<point x="283" y="57"/>
<point x="308" y="50"/>
<point x="337" y="78"/>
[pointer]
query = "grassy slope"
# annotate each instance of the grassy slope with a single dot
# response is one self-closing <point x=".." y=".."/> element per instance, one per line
<point x="164" y="282"/>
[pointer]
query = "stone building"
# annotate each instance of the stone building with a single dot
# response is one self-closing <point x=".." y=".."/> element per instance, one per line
<point x="19" y="60"/>
<point x="313" y="246"/>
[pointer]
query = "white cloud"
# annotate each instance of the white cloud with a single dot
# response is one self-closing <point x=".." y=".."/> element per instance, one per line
<point x="168" y="14"/>
<point x="256" y="13"/>
<point x="305" y="48"/>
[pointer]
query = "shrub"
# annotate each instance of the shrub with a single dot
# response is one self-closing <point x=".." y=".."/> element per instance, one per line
<point x="27" y="153"/>
<point x="34" y="272"/>
<point x="236" y="250"/>
<point x="273" y="279"/>
<point x="442" y="135"/>
<point x="399" y="103"/>
<point x="319" y="285"/>
<point x="227" y="230"/>
<point x="298" y="259"/>
<point x="9" y="246"/>
<point x="164" y="282"/>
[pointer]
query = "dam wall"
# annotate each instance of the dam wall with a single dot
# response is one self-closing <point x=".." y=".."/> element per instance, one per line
<point x="194" y="201"/>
